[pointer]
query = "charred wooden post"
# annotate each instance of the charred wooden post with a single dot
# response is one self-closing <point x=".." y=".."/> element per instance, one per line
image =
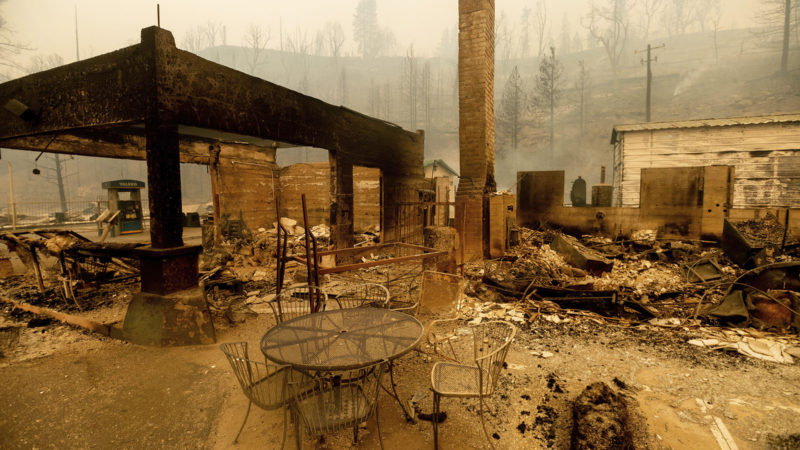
<point x="171" y="309"/>
<point x="341" y="202"/>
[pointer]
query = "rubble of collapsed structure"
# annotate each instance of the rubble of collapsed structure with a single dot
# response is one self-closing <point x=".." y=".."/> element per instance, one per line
<point x="689" y="289"/>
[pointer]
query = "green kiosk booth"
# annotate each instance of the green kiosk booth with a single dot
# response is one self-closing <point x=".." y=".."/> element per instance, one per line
<point x="125" y="196"/>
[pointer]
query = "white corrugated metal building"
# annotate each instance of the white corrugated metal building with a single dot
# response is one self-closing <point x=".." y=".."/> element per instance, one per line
<point x="764" y="150"/>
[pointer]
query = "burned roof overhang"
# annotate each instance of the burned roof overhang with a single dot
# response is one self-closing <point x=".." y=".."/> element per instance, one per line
<point x="97" y="107"/>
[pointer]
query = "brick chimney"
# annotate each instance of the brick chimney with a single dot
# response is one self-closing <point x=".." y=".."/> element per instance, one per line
<point x="476" y="123"/>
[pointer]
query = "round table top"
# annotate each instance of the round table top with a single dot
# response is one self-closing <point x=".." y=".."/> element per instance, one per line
<point x="342" y="339"/>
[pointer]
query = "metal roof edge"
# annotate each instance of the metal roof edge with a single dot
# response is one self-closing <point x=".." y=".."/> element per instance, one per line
<point x="699" y="123"/>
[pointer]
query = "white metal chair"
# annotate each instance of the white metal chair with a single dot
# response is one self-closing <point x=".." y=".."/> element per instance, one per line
<point x="491" y="343"/>
<point x="296" y="301"/>
<point x="363" y="295"/>
<point x="440" y="334"/>
<point x="333" y="401"/>
<point x="262" y="383"/>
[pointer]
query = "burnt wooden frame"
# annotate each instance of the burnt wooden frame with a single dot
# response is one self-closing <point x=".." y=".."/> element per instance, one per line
<point x="144" y="101"/>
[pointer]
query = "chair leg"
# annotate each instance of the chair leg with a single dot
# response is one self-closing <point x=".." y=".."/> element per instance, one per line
<point x="435" y="421"/>
<point x="298" y="432"/>
<point x="236" y="439"/>
<point x="378" y="423"/>
<point x="483" y="422"/>
<point x="355" y="434"/>
<point x="285" y="425"/>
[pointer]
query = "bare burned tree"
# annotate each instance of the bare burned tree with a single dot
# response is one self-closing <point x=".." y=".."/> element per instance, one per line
<point x="608" y="24"/>
<point x="343" y="87"/>
<point x="211" y="33"/>
<point x="334" y="38"/>
<point x="703" y="13"/>
<point x="679" y="16"/>
<point x="525" y="33"/>
<point x="715" y="17"/>
<point x="409" y="86"/>
<point x="9" y="49"/>
<point x="651" y="8"/>
<point x="503" y="37"/>
<point x="256" y="40"/>
<point x="203" y="37"/>
<point x="778" y="22"/>
<point x="565" y="35"/>
<point x="319" y="44"/>
<point x="513" y="107"/>
<point x="192" y="40"/>
<point x="548" y="92"/>
<point x="298" y="43"/>
<point x="540" y="23"/>
<point x="582" y="87"/>
<point x="41" y="62"/>
<point x="425" y="88"/>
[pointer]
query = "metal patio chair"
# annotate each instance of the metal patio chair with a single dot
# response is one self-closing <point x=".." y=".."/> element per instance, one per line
<point x="363" y="295"/>
<point x="440" y="334"/>
<point x="491" y="343"/>
<point x="334" y="401"/>
<point x="295" y="302"/>
<point x="410" y="306"/>
<point x="264" y="384"/>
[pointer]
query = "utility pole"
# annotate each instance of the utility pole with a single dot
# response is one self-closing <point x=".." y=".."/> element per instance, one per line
<point x="649" y="74"/>
<point x="582" y="93"/>
<point x="60" y="180"/>
<point x="552" y="89"/>
<point x="12" y="205"/>
<point x="77" y="47"/>
<point x="786" y="28"/>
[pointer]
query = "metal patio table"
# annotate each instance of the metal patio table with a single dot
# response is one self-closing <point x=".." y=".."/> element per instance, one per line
<point x="343" y="339"/>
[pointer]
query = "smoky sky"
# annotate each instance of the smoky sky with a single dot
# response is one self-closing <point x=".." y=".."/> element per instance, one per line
<point x="48" y="26"/>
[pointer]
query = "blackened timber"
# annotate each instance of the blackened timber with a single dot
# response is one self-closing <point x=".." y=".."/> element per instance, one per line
<point x="341" y="217"/>
<point x="164" y="185"/>
<point x="129" y="143"/>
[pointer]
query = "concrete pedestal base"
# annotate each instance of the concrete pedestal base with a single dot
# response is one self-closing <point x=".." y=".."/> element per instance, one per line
<point x="178" y="318"/>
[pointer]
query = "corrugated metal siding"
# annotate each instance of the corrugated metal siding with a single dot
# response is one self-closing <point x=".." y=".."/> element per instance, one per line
<point x="766" y="158"/>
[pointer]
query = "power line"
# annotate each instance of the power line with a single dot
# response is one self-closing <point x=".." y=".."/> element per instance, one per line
<point x="649" y="74"/>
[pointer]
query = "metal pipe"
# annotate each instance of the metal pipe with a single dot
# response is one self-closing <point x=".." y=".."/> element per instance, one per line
<point x="12" y="203"/>
<point x="314" y="304"/>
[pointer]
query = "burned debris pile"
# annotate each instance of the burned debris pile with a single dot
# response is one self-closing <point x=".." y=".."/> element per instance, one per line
<point x="692" y="287"/>
<point x="69" y="271"/>
<point x="755" y="242"/>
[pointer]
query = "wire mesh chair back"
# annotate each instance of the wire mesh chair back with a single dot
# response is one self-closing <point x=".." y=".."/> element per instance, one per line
<point x="492" y="341"/>
<point x="264" y="384"/>
<point x="440" y="334"/>
<point x="332" y="401"/>
<point x="297" y="301"/>
<point x="363" y="295"/>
